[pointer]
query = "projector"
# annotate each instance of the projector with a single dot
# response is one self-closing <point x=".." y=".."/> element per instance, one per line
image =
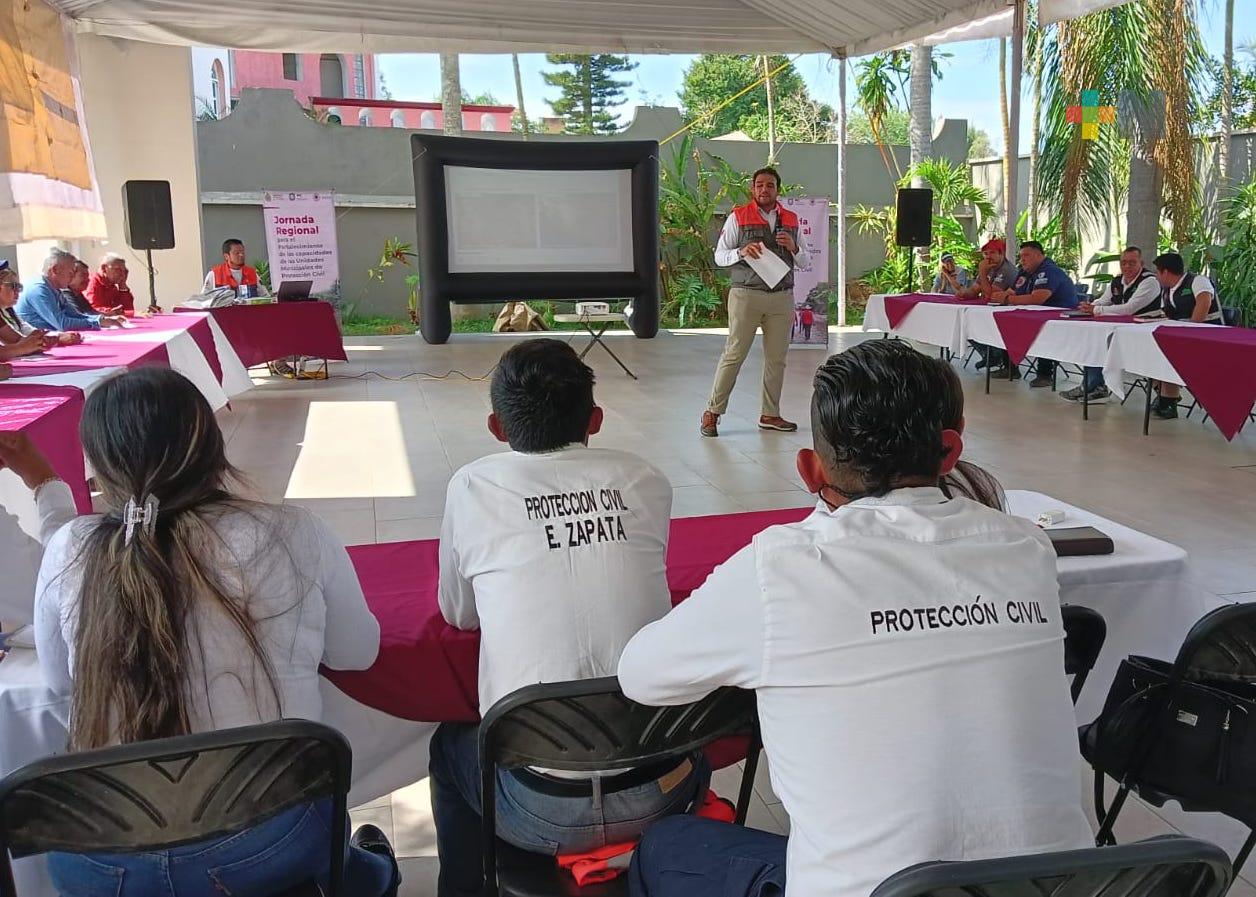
<point x="593" y="308"/>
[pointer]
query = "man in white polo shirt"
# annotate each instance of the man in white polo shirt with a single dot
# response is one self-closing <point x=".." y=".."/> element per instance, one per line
<point x="555" y="551"/>
<point x="907" y="651"/>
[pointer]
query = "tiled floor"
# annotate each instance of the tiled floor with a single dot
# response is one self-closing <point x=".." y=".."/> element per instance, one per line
<point x="373" y="456"/>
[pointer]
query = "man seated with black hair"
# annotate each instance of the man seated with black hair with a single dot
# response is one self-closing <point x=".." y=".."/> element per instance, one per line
<point x="1184" y="296"/>
<point x="906" y="651"/>
<point x="555" y="551"/>
<point x="1040" y="281"/>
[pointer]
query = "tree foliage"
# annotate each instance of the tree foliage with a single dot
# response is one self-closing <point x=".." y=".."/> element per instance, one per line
<point x="895" y="128"/>
<point x="711" y="79"/>
<point x="979" y="145"/>
<point x="589" y="90"/>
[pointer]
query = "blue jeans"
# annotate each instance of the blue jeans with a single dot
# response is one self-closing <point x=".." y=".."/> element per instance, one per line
<point x="530" y="820"/>
<point x="280" y="853"/>
<point x="1093" y="379"/>
<point x="691" y="857"/>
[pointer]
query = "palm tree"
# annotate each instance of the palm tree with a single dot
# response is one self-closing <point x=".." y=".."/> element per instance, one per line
<point x="1033" y="47"/>
<point x="523" y="113"/>
<point x="1008" y="161"/>
<point x="1227" y="99"/>
<point x="879" y="81"/>
<point x="1145" y="57"/>
<point x="921" y="105"/>
<point x="767" y="83"/>
<point x="450" y="94"/>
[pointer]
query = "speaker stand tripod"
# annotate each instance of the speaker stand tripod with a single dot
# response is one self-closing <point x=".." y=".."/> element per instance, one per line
<point x="152" y="281"/>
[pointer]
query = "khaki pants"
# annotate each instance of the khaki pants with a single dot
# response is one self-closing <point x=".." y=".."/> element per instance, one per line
<point x="748" y="310"/>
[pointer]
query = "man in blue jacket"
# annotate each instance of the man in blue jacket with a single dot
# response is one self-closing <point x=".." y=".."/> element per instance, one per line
<point x="1040" y="281"/>
<point x="45" y="307"/>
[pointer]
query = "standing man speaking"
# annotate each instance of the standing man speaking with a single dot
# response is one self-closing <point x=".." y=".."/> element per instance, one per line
<point x="760" y="227"/>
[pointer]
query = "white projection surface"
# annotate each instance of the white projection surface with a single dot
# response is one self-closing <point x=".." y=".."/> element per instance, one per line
<point x="538" y="221"/>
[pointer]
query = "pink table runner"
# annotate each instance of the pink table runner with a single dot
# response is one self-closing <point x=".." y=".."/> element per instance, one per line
<point x="50" y="415"/>
<point x="1020" y="328"/>
<point x="144" y="343"/>
<point x="427" y="670"/>
<point x="262" y="333"/>
<point x="898" y="307"/>
<point x="1218" y="366"/>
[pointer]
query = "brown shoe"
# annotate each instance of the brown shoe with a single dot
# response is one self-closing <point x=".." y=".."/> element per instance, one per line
<point x="709" y="421"/>
<point x="777" y="423"/>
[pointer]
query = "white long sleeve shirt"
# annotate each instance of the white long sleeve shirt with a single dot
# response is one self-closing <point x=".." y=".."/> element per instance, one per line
<point x="907" y="655"/>
<point x="1148" y="291"/>
<point x="558" y="559"/>
<point x="726" y="250"/>
<point x="20" y="555"/>
<point x="301" y="589"/>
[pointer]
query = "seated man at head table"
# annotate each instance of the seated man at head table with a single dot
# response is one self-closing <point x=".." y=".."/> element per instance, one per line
<point x="18" y="338"/>
<point x="20" y="555"/>
<point x="995" y="272"/>
<point x="78" y="283"/>
<point x="952" y="279"/>
<point x="43" y="305"/>
<point x="906" y="649"/>
<point x="555" y="551"/>
<point x="1184" y="296"/>
<point x="1135" y="291"/>
<point x="107" y="290"/>
<point x="233" y="272"/>
<point x="1040" y="281"/>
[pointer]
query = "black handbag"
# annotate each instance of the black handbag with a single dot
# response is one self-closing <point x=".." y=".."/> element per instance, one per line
<point x="1198" y="750"/>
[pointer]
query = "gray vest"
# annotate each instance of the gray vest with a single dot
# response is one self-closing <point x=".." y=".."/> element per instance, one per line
<point x="744" y="276"/>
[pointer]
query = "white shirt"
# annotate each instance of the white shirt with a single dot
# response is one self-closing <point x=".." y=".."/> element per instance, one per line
<point x="1148" y="291"/>
<point x="895" y="734"/>
<point x="558" y="559"/>
<point x="302" y="591"/>
<point x="726" y="250"/>
<point x="20" y="555"/>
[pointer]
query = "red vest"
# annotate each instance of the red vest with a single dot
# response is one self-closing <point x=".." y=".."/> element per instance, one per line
<point x="223" y="278"/>
<point x="749" y="215"/>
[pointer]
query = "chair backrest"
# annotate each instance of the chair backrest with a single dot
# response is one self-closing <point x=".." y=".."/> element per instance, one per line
<point x="1083" y="289"/>
<point x="1221" y="645"/>
<point x="1084" y="633"/>
<point x="1231" y="316"/>
<point x="1171" y="866"/>
<point x="590" y="725"/>
<point x="164" y="793"/>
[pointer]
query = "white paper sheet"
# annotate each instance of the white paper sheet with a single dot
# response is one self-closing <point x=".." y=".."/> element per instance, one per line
<point x="768" y="266"/>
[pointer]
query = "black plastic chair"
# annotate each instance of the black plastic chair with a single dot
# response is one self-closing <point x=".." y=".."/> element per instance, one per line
<point x="1220" y="646"/>
<point x="1084" y="633"/>
<point x="1170" y="866"/>
<point x="1231" y="316"/>
<point x="159" y="794"/>
<point x="587" y="726"/>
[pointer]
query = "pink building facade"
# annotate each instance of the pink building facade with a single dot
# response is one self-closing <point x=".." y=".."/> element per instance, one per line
<point x="307" y="75"/>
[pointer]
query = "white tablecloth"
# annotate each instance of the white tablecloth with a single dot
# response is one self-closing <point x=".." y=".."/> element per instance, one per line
<point x="934" y="323"/>
<point x="185" y="357"/>
<point x="235" y="376"/>
<point x="1134" y="350"/>
<point x="388" y="753"/>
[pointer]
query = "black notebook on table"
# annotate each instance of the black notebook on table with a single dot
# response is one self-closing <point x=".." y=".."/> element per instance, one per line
<point x="1079" y="541"/>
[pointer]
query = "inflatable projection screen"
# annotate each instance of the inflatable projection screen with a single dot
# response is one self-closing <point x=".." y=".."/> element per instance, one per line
<point x="503" y="220"/>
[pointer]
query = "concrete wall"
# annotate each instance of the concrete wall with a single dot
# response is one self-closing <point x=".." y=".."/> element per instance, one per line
<point x="140" y="129"/>
<point x="269" y="143"/>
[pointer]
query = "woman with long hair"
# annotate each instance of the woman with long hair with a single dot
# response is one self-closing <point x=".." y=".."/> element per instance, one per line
<point x="185" y="608"/>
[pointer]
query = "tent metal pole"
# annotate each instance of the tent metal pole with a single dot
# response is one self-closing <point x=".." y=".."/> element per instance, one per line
<point x="1014" y="113"/>
<point x="841" y="192"/>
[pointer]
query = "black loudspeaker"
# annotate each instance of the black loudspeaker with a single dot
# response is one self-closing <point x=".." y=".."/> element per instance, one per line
<point x="149" y="221"/>
<point x="914" y="217"/>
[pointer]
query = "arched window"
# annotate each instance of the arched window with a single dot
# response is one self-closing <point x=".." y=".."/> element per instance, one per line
<point x="364" y="118"/>
<point x="398" y="118"/>
<point x="331" y="75"/>
<point x="428" y="120"/>
<point x="488" y="122"/>
<point x="217" y="96"/>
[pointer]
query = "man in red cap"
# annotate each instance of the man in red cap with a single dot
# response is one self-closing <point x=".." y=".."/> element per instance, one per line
<point x="995" y="272"/>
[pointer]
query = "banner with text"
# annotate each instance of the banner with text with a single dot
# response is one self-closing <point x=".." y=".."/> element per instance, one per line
<point x="812" y="287"/>
<point x="301" y="238"/>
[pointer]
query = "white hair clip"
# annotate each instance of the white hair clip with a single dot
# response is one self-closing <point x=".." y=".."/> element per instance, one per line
<point x="145" y="516"/>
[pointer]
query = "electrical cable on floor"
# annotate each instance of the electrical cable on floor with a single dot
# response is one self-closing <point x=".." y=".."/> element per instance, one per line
<point x="422" y="375"/>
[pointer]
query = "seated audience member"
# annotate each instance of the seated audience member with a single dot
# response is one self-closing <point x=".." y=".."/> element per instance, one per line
<point x="19" y="553"/>
<point x="1184" y="296"/>
<point x="994" y="273"/>
<point x="1040" y="281"/>
<point x="18" y="338"/>
<point x="184" y="608"/>
<point x="233" y="272"/>
<point x="78" y="283"/>
<point x="555" y="552"/>
<point x="1135" y="291"/>
<point x="107" y="290"/>
<point x="43" y="305"/>
<point x="951" y="280"/>
<point x="906" y="651"/>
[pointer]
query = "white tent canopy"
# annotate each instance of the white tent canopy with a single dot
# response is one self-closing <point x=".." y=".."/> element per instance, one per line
<point x="844" y="27"/>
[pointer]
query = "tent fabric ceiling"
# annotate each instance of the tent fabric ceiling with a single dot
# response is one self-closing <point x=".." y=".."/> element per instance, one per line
<point x="844" y="27"/>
